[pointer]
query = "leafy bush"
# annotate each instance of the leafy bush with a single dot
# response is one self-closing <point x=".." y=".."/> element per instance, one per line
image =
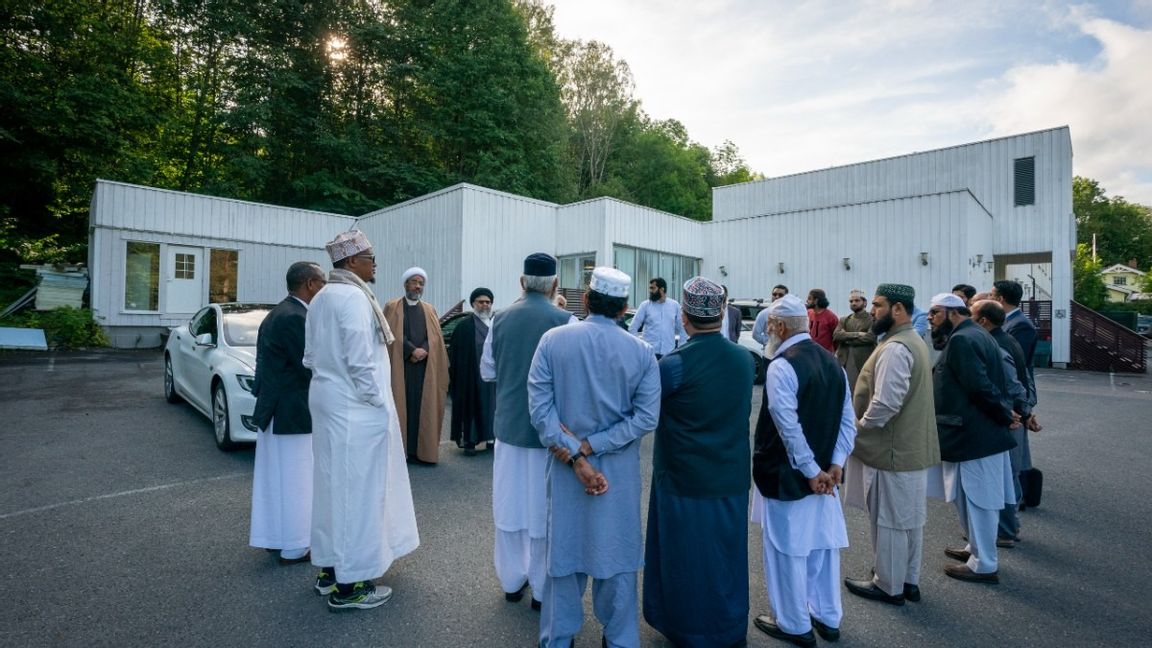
<point x="64" y="328"/>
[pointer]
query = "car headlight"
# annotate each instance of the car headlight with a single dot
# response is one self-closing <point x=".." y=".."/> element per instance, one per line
<point x="246" y="382"/>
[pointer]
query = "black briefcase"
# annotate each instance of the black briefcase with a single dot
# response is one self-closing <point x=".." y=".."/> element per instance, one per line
<point x="1031" y="485"/>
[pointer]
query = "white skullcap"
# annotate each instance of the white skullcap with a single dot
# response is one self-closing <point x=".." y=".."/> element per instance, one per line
<point x="412" y="272"/>
<point x="347" y="244"/>
<point x="947" y="300"/>
<point x="788" y="306"/>
<point x="610" y="282"/>
<point x="856" y="292"/>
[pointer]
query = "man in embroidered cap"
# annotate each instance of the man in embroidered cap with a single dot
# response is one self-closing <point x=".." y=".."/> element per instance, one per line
<point x="362" y="515"/>
<point x="696" y="550"/>
<point x="853" y="337"/>
<point x="800" y="449"/>
<point x="419" y="368"/>
<point x="973" y="415"/>
<point x="518" y="508"/>
<point x="896" y="443"/>
<point x="593" y="393"/>
<point x="473" y="400"/>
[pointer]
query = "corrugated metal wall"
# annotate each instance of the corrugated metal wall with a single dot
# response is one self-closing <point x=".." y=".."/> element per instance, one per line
<point x="882" y="239"/>
<point x="425" y="232"/>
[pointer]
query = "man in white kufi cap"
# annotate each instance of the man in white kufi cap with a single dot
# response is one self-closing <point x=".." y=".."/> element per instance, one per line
<point x="973" y="417"/>
<point x="362" y="515"/>
<point x="853" y="336"/>
<point x="419" y="368"/>
<point x="800" y="449"/>
<point x="593" y="393"/>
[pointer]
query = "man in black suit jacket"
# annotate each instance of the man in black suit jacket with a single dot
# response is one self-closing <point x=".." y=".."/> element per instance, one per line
<point x="732" y="319"/>
<point x="973" y="414"/>
<point x="282" y="474"/>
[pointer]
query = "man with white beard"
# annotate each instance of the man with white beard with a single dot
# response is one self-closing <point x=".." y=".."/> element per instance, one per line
<point x="800" y="450"/>
<point x="473" y="400"/>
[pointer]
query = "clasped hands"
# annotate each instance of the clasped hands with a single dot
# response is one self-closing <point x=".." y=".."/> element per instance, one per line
<point x="825" y="482"/>
<point x="418" y="355"/>
<point x="594" y="481"/>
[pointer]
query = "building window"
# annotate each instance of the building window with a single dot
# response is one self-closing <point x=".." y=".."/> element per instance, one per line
<point x="185" y="266"/>
<point x="142" y="277"/>
<point x="645" y="265"/>
<point x="576" y="270"/>
<point x="1119" y="281"/>
<point x="1025" y="185"/>
<point x="222" y="273"/>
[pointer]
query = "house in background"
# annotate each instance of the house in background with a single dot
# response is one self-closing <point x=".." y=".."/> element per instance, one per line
<point x="964" y="214"/>
<point x="1123" y="281"/>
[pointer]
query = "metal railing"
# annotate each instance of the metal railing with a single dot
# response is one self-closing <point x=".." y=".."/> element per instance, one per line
<point x="1100" y="344"/>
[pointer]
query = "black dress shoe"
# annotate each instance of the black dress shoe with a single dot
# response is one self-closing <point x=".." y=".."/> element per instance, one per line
<point x="962" y="572"/>
<point x="960" y="554"/>
<point x="912" y="592"/>
<point x="826" y="632"/>
<point x="469" y="452"/>
<point x="867" y="589"/>
<point x="515" y="597"/>
<point x="536" y="605"/>
<point x="768" y="626"/>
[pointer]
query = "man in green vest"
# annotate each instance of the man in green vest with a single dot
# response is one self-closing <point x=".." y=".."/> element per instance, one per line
<point x="896" y="442"/>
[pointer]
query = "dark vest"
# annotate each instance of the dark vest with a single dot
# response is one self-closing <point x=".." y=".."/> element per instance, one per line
<point x="516" y="331"/>
<point x="820" y="403"/>
<point x="701" y="443"/>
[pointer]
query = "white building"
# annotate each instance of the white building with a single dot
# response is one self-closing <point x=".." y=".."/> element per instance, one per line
<point x="963" y="214"/>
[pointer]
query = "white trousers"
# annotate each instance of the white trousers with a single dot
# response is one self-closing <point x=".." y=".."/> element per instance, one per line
<point x="801" y="587"/>
<point x="521" y="558"/>
<point x="614" y="602"/>
<point x="282" y="493"/>
<point x="898" y="548"/>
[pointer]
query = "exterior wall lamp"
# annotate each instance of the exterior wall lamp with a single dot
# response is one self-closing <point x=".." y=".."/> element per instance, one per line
<point x="847" y="263"/>
<point x="780" y="267"/>
<point x="924" y="258"/>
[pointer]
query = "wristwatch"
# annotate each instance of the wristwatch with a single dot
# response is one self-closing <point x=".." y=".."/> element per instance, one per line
<point x="572" y="460"/>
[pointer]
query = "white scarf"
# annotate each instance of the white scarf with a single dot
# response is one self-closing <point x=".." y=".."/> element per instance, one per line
<point x="339" y="275"/>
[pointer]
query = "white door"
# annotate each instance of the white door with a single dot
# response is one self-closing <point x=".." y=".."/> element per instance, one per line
<point x="185" y="280"/>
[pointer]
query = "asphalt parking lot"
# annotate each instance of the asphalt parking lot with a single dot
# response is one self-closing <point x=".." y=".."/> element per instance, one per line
<point x="122" y="524"/>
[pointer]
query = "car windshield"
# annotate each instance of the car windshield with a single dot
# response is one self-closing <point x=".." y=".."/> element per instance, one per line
<point x="240" y="328"/>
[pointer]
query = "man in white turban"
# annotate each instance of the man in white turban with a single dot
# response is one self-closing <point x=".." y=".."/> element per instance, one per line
<point x="362" y="515"/>
<point x="419" y="368"/>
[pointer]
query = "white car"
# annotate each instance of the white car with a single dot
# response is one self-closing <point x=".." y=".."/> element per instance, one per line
<point x="211" y="363"/>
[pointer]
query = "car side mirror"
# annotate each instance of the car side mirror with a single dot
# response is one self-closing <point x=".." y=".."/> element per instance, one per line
<point x="205" y="340"/>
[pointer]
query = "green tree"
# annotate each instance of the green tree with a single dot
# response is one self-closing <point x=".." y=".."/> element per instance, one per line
<point x="1087" y="282"/>
<point x="1123" y="230"/>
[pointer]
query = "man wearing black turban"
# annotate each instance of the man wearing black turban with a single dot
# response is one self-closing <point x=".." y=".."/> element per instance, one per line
<point x="473" y="400"/>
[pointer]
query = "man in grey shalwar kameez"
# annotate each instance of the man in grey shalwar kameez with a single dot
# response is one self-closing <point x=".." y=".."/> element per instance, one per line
<point x="593" y="392"/>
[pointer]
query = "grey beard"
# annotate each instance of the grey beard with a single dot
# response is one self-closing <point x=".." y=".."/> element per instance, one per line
<point x="412" y="296"/>
<point x="773" y="345"/>
<point x="485" y="316"/>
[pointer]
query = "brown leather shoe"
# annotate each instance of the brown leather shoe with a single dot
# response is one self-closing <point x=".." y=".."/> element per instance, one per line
<point x="1005" y="543"/>
<point x="960" y="554"/>
<point x="961" y="572"/>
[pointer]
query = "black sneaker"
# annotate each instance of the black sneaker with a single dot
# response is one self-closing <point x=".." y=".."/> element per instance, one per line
<point x="325" y="582"/>
<point x="364" y="596"/>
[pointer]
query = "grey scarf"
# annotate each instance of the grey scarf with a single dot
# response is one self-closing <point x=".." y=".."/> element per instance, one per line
<point x="342" y="276"/>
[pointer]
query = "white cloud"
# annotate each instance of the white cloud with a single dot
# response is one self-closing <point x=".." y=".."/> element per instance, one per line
<point x="801" y="86"/>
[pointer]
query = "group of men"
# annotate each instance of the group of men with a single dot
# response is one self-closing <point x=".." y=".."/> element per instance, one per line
<point x="564" y="403"/>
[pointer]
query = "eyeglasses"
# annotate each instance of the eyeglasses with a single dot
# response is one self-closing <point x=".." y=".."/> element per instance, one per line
<point x="484" y="302"/>
<point x="366" y="257"/>
<point x="777" y="295"/>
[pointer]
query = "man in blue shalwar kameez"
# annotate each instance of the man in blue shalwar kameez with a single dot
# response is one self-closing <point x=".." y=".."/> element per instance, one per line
<point x="696" y="554"/>
<point x="593" y="392"/>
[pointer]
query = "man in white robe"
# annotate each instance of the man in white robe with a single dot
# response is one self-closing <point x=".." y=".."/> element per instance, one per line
<point x="797" y="464"/>
<point x="362" y="514"/>
<point x="282" y="469"/>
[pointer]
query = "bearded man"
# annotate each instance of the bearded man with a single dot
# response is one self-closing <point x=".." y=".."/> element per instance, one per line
<point x="419" y="369"/>
<point x="473" y="400"/>
<point x="854" y="338"/>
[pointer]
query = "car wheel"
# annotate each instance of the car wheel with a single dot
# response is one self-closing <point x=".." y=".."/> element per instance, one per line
<point x="221" y="422"/>
<point x="170" y="394"/>
<point x="760" y="368"/>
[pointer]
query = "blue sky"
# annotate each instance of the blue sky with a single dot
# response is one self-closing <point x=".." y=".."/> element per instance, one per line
<point x="807" y="85"/>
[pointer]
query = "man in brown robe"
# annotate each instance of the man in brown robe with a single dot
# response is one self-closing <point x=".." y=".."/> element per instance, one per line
<point x="419" y="371"/>
<point x="854" y="338"/>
